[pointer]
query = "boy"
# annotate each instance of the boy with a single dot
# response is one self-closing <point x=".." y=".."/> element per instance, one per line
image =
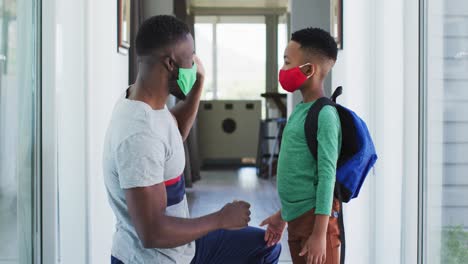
<point x="306" y="184"/>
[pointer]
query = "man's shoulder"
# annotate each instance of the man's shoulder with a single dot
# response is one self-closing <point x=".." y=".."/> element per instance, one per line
<point x="128" y="122"/>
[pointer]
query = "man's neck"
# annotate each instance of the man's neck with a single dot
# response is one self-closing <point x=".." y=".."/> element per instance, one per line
<point x="150" y="91"/>
<point x="312" y="93"/>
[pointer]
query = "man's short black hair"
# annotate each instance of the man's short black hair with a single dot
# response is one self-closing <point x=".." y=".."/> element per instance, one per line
<point x="159" y="32"/>
<point x="316" y="40"/>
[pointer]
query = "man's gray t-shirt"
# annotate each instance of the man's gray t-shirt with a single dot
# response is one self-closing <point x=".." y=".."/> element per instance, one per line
<point x="143" y="147"/>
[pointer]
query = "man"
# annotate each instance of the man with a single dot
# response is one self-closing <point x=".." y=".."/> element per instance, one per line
<point x="144" y="159"/>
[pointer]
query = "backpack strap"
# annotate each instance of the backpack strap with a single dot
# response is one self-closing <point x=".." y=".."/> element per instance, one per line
<point x="338" y="91"/>
<point x="342" y="234"/>
<point x="311" y="123"/>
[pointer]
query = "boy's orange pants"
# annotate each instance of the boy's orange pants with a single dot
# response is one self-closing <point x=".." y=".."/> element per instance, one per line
<point x="301" y="228"/>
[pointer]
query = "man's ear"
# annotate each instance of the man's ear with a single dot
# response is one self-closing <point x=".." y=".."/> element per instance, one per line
<point x="169" y="64"/>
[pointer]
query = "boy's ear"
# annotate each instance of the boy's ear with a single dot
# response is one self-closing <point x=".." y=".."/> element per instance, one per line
<point x="309" y="69"/>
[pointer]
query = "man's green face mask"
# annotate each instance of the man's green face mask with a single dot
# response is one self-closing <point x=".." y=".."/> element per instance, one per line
<point x="187" y="78"/>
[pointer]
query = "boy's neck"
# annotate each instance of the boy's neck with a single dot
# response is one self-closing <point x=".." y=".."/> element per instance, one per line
<point x="313" y="93"/>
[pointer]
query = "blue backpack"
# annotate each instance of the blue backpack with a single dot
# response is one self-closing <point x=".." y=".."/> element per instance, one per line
<point x="356" y="158"/>
<point x="357" y="155"/>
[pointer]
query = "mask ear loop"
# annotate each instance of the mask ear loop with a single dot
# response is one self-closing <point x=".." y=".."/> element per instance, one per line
<point x="308" y="63"/>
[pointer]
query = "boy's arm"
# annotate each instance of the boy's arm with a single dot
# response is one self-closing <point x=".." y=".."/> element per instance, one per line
<point x="275" y="228"/>
<point x="328" y="137"/>
<point x="315" y="249"/>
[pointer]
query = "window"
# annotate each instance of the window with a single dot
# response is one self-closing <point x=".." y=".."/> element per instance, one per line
<point x="444" y="133"/>
<point x="237" y="56"/>
<point x="241" y="64"/>
<point x="234" y="52"/>
<point x="19" y="122"/>
<point x="204" y="48"/>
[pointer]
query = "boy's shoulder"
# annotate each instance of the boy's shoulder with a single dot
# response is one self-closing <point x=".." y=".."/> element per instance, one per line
<point x="329" y="114"/>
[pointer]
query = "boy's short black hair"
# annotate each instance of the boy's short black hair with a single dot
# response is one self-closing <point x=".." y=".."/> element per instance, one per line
<point x="316" y="40"/>
<point x="158" y="32"/>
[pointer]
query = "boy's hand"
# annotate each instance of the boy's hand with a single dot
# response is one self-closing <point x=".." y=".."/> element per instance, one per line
<point x="315" y="249"/>
<point x="275" y="229"/>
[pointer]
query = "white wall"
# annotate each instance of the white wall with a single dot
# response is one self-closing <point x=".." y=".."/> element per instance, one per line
<point x="70" y="91"/>
<point x="107" y="73"/>
<point x="82" y="77"/>
<point x="354" y="71"/>
<point x="378" y="70"/>
<point x="409" y="225"/>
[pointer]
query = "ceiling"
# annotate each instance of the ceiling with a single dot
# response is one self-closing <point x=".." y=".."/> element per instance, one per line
<point x="267" y="4"/>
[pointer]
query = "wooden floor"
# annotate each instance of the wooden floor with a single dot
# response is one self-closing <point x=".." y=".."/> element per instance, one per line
<point x="220" y="187"/>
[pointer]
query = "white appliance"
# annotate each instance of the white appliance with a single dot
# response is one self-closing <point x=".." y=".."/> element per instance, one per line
<point x="228" y="130"/>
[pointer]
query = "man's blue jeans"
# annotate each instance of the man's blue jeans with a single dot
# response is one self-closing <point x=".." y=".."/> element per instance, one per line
<point x="245" y="246"/>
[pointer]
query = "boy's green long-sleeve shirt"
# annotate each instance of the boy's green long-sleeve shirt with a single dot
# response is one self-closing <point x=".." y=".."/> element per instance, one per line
<point x="303" y="182"/>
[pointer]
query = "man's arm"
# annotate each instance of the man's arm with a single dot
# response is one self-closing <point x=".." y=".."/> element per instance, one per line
<point x="147" y="207"/>
<point x="185" y="111"/>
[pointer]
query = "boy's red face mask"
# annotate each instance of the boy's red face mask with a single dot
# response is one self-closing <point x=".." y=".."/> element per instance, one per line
<point x="293" y="79"/>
